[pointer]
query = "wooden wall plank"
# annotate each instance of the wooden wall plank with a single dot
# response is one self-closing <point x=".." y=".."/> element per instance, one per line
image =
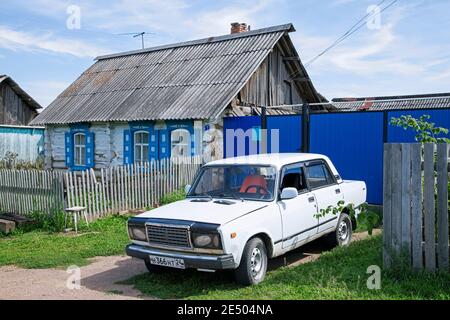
<point x="429" y="206"/>
<point x="442" y="206"/>
<point x="396" y="205"/>
<point x="387" y="205"/>
<point x="416" y="206"/>
<point x="406" y="199"/>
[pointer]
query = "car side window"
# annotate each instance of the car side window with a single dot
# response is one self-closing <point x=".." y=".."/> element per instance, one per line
<point x="319" y="175"/>
<point x="293" y="177"/>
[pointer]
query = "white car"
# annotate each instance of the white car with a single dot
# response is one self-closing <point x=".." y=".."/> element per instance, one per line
<point x="241" y="211"/>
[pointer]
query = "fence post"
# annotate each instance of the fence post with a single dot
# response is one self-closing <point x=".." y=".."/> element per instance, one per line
<point x="305" y="127"/>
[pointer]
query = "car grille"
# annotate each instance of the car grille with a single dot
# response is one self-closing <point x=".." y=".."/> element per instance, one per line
<point x="169" y="236"/>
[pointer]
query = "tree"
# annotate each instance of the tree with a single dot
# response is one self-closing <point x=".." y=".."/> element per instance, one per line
<point x="427" y="132"/>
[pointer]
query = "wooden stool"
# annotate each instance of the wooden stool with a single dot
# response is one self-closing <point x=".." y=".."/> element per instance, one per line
<point x="75" y="211"/>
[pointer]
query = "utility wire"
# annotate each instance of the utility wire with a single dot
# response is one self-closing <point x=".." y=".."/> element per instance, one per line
<point x="368" y="15"/>
<point x="357" y="26"/>
<point x="337" y="42"/>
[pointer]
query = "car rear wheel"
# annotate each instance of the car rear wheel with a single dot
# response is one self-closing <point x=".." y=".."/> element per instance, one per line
<point x="253" y="266"/>
<point x="342" y="236"/>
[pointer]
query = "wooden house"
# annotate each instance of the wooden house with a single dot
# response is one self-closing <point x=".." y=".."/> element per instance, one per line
<point x="16" y="106"/>
<point x="170" y="100"/>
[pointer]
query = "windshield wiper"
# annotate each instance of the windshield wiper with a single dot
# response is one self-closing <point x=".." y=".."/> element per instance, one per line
<point x="205" y="195"/>
<point x="234" y="196"/>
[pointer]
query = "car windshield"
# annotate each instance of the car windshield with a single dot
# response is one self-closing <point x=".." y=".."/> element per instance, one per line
<point x="246" y="182"/>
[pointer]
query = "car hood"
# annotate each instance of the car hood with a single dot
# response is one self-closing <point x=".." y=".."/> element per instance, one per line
<point x="207" y="212"/>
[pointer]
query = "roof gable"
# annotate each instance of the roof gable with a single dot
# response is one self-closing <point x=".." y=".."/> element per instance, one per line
<point x="20" y="92"/>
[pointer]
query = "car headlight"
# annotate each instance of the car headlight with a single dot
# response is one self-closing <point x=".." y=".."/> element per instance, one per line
<point x="209" y="241"/>
<point x="137" y="232"/>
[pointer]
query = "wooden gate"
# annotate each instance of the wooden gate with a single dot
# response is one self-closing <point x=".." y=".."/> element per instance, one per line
<point x="416" y="205"/>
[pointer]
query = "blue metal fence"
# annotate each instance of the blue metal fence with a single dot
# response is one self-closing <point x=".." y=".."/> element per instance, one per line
<point x="353" y="140"/>
<point x="290" y="132"/>
<point x="354" y="143"/>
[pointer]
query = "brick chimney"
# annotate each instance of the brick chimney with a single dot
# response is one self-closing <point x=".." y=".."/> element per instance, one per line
<point x="237" y="27"/>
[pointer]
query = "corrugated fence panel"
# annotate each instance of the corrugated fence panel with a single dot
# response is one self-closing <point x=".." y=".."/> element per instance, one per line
<point x="246" y="124"/>
<point x="290" y="132"/>
<point x="354" y="143"/>
<point x="27" y="143"/>
<point x="398" y="135"/>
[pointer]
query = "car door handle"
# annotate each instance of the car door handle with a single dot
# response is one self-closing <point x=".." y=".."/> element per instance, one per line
<point x="311" y="199"/>
<point x="338" y="191"/>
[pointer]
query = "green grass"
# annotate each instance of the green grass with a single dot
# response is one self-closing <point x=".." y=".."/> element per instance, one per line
<point x="40" y="249"/>
<point x="338" y="274"/>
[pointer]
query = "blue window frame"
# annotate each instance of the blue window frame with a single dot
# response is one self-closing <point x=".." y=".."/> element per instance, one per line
<point x="182" y="138"/>
<point x="79" y="148"/>
<point x="142" y="142"/>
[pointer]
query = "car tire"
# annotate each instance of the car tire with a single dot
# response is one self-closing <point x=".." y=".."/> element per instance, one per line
<point x="253" y="266"/>
<point x="154" y="268"/>
<point x="343" y="233"/>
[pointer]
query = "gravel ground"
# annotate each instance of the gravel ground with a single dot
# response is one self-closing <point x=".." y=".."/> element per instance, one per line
<point x="99" y="279"/>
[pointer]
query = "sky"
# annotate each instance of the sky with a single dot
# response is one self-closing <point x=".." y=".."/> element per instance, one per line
<point x="46" y="44"/>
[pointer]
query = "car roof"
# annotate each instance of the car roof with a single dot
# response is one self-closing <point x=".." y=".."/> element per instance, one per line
<point x="276" y="159"/>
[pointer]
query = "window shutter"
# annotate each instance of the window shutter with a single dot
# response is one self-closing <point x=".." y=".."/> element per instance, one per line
<point x="164" y="140"/>
<point x="90" y="150"/>
<point x="127" y="147"/>
<point x="68" y="146"/>
<point x="153" y="145"/>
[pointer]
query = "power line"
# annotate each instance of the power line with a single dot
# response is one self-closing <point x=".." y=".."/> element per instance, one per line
<point x="357" y="26"/>
<point x="348" y="35"/>
<point x="363" y="19"/>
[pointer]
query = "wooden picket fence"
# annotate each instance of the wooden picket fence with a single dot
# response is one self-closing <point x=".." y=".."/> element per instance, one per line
<point x="129" y="187"/>
<point x="25" y="191"/>
<point x="116" y="189"/>
<point x="416" y="206"/>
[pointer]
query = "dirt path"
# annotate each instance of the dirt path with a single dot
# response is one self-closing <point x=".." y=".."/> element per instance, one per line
<point x="99" y="279"/>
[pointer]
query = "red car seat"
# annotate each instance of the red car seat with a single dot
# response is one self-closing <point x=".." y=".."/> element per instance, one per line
<point x="252" y="182"/>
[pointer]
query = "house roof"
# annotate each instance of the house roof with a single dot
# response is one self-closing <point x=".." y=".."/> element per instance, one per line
<point x="188" y="80"/>
<point x="422" y="101"/>
<point x="20" y="92"/>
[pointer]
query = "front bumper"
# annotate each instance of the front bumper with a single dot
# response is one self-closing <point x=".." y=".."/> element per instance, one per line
<point x="191" y="260"/>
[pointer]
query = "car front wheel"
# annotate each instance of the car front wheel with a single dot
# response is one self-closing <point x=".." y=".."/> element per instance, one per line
<point x="253" y="266"/>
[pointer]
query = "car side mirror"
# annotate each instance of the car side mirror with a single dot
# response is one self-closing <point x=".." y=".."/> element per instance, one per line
<point x="187" y="188"/>
<point x="289" y="193"/>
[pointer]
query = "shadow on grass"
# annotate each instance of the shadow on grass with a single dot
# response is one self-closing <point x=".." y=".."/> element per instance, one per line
<point x="339" y="274"/>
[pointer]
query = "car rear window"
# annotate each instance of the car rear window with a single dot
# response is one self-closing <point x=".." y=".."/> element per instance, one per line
<point x="319" y="175"/>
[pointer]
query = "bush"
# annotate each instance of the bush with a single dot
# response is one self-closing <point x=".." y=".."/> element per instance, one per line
<point x="53" y="222"/>
<point x="173" y="197"/>
<point x="10" y="161"/>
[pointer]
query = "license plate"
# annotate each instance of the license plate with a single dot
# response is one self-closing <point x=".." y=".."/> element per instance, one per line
<point x="167" y="262"/>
